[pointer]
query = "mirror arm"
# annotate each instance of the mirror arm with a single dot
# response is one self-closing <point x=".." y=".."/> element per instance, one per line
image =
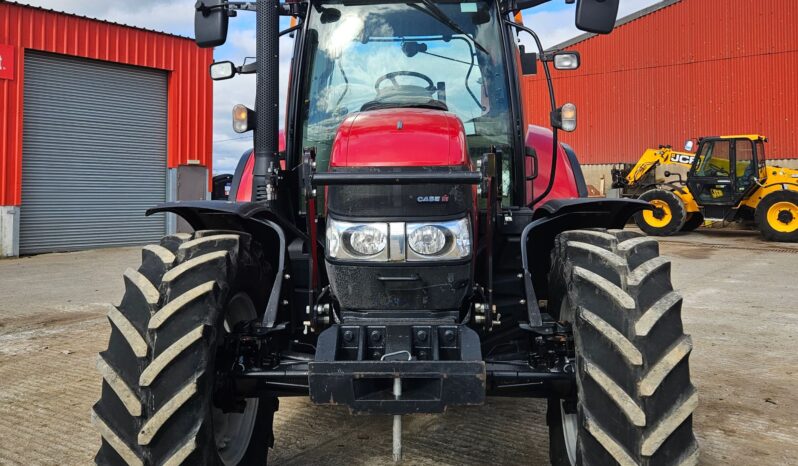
<point x="293" y="28"/>
<point x="553" y="102"/>
<point x="207" y="9"/>
<point x="518" y="5"/>
<point x="242" y="6"/>
<point x="539" y="45"/>
<point x="229" y="6"/>
<point x="251" y="68"/>
<point x="286" y="9"/>
<point x="298" y="9"/>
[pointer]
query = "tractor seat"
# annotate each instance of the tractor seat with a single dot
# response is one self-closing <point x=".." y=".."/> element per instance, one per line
<point x="745" y="180"/>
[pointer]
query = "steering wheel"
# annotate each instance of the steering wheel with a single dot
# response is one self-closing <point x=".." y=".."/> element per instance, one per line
<point x="718" y="171"/>
<point x="392" y="77"/>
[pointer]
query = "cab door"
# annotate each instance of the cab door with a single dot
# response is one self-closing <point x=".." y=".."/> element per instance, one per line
<point x="746" y="169"/>
<point x="710" y="179"/>
<point x="724" y="172"/>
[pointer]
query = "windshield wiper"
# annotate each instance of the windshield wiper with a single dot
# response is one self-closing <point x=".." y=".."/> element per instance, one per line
<point x="433" y="10"/>
<point x="448" y="58"/>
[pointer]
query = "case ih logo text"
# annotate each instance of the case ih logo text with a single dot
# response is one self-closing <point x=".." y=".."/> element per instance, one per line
<point x="433" y="199"/>
<point x="682" y="158"/>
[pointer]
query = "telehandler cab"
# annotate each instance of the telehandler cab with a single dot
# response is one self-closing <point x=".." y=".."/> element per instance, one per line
<point x="410" y="246"/>
<point x="727" y="180"/>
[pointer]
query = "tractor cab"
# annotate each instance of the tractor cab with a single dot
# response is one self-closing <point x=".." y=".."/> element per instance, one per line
<point x="727" y="169"/>
<point x="390" y="57"/>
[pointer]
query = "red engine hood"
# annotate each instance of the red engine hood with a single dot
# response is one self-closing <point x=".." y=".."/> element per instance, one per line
<point x="400" y="138"/>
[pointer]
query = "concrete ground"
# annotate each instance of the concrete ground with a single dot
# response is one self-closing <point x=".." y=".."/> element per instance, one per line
<point x="740" y="307"/>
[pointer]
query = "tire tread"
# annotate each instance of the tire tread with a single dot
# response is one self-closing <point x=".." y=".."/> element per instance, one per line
<point x="161" y="341"/>
<point x="625" y="305"/>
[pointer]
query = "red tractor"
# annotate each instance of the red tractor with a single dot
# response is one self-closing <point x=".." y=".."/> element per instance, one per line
<point x="407" y="245"/>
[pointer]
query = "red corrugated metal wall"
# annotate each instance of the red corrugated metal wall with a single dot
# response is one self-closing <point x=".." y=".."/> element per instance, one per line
<point x="694" y="68"/>
<point x="190" y="88"/>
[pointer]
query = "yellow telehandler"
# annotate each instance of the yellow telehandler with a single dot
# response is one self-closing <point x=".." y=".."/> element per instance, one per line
<point x="727" y="180"/>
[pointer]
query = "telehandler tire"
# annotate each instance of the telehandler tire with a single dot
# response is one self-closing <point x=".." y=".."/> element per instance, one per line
<point x="777" y="216"/>
<point x="694" y="220"/>
<point x="160" y="376"/>
<point x="667" y="217"/>
<point x="635" y="400"/>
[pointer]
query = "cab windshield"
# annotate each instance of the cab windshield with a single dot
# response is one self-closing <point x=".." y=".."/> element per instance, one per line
<point x="445" y="56"/>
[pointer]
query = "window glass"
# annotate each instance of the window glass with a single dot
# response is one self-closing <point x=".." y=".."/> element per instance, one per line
<point x="366" y="56"/>
<point x="745" y="156"/>
<point x="714" y="159"/>
<point x="745" y="170"/>
<point x="760" y="153"/>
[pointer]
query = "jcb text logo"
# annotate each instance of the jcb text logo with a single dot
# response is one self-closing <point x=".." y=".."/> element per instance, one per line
<point x="682" y="158"/>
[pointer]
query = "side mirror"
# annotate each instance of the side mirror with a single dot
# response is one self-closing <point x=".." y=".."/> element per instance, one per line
<point x="330" y="15"/>
<point x="210" y="23"/>
<point x="596" y="16"/>
<point x="222" y="70"/>
<point x="689" y="145"/>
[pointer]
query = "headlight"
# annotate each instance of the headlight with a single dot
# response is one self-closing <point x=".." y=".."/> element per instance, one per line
<point x="357" y="241"/>
<point x="367" y="240"/>
<point x="385" y="242"/>
<point x="427" y="240"/>
<point x="435" y="241"/>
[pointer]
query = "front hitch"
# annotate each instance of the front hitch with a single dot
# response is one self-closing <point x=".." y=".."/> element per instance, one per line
<point x="438" y="365"/>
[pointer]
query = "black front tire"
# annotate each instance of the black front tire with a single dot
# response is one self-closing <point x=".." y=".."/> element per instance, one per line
<point x="635" y="399"/>
<point x="654" y="222"/>
<point x="159" y="371"/>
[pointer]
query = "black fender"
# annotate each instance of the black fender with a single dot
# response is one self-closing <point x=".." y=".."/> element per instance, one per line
<point x="555" y="217"/>
<point x="256" y="219"/>
<point x="576" y="167"/>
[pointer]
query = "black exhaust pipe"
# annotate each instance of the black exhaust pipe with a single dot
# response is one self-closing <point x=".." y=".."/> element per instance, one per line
<point x="267" y="112"/>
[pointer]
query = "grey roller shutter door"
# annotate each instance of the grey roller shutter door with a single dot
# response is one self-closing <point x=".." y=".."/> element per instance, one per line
<point x="94" y="154"/>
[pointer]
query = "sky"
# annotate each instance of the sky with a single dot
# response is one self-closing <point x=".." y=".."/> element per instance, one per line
<point x="553" y="21"/>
